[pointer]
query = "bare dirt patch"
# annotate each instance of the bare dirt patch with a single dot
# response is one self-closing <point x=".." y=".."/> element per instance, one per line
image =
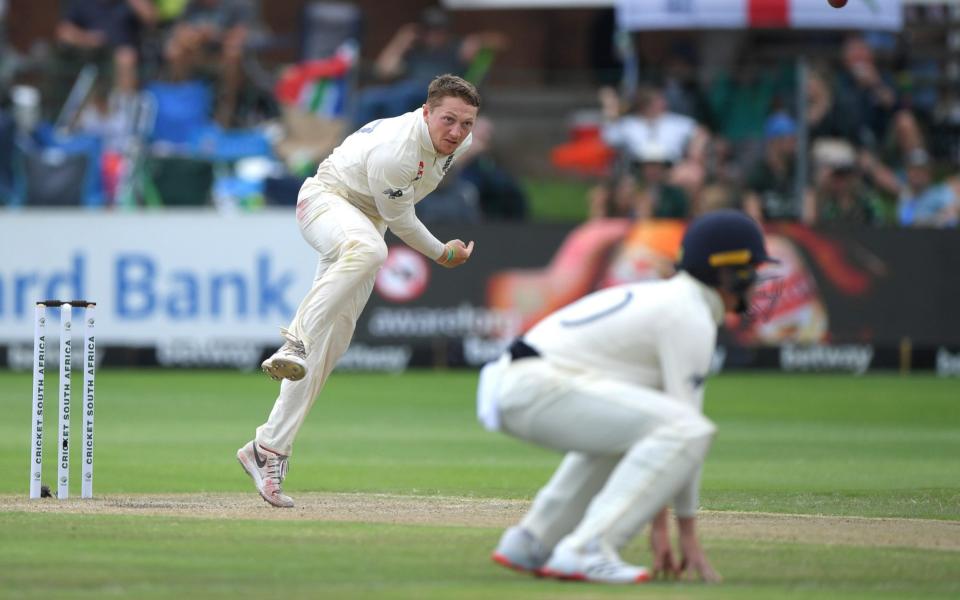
<point x="487" y="512"/>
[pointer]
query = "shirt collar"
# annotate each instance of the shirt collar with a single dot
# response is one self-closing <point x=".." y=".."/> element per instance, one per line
<point x="710" y="296"/>
<point x="423" y="133"/>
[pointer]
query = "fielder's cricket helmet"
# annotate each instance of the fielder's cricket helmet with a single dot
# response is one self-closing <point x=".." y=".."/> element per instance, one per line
<point x="723" y="248"/>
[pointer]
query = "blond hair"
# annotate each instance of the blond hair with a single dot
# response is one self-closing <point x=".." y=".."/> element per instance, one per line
<point x="446" y="85"/>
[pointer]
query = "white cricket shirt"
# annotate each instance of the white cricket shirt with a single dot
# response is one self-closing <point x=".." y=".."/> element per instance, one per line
<point x="658" y="334"/>
<point x="384" y="169"/>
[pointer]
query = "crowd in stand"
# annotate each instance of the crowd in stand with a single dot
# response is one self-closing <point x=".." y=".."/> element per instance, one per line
<point x="687" y="140"/>
<point x="157" y="102"/>
<point x="733" y="141"/>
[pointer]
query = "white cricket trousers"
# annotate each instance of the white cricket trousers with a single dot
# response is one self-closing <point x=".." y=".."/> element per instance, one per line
<point x="630" y="449"/>
<point x="351" y="249"/>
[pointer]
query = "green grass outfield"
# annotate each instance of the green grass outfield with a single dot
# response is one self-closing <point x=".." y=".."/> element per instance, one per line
<point x="876" y="446"/>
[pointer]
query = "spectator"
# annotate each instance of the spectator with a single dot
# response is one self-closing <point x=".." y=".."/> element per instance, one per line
<point x="739" y="102"/>
<point x="841" y="195"/>
<point x="615" y="198"/>
<point x="715" y="196"/>
<point x="212" y="32"/>
<point x="924" y="203"/>
<point x="681" y="140"/>
<point x="679" y="136"/>
<point x="656" y="196"/>
<point x="107" y="29"/>
<point x="680" y="86"/>
<point x="903" y="137"/>
<point x="829" y="116"/>
<point x="861" y="81"/>
<point x="771" y="183"/>
<point x="880" y="118"/>
<point x="500" y="195"/>
<point x="416" y="54"/>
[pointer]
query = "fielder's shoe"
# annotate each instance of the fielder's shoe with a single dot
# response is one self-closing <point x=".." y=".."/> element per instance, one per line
<point x="289" y="362"/>
<point x="521" y="551"/>
<point x="592" y="564"/>
<point x="267" y="469"/>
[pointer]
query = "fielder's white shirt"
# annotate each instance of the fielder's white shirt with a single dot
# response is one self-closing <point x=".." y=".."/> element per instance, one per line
<point x="384" y="169"/>
<point x="658" y="334"/>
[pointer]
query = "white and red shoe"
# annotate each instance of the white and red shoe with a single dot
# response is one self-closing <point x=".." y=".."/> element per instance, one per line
<point x="593" y="564"/>
<point x="267" y="469"/>
<point x="289" y="361"/>
<point x="521" y="551"/>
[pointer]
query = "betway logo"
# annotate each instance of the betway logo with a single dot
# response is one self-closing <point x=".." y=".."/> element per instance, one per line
<point x="853" y="358"/>
<point x="360" y="357"/>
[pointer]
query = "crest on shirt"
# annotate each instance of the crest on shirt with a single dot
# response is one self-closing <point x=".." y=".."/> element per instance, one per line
<point x="389" y="193"/>
<point x="419" y="172"/>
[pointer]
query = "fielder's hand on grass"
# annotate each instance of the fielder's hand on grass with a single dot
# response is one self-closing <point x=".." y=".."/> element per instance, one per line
<point x="664" y="564"/>
<point x="455" y="253"/>
<point x="694" y="560"/>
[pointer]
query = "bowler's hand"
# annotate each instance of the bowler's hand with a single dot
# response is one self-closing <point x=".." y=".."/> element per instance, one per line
<point x="455" y="253"/>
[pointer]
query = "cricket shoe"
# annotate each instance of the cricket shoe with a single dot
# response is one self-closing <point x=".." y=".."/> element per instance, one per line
<point x="521" y="551"/>
<point x="267" y="469"/>
<point x="289" y="362"/>
<point x="593" y="564"/>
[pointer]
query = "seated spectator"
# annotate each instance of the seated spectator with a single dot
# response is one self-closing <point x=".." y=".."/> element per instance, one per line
<point x="656" y="196"/>
<point x="715" y="196"/>
<point x="739" y="102"/>
<point x="771" y="183"/>
<point x="614" y="198"/>
<point x="861" y="81"/>
<point x="841" y="196"/>
<point x="680" y="81"/>
<point x="108" y="29"/>
<point x="880" y="118"/>
<point x="416" y="54"/>
<point x="500" y="194"/>
<point x="681" y="140"/>
<point x="678" y="136"/>
<point x="829" y="115"/>
<point x="212" y="33"/>
<point x="922" y="201"/>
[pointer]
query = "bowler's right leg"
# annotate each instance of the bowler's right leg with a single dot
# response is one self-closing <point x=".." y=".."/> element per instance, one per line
<point x="351" y="249"/>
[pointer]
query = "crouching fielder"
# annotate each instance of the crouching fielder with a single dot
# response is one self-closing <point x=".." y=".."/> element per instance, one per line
<point x="615" y="380"/>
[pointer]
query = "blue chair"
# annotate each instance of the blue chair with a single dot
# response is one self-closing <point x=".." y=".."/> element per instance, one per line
<point x="182" y="110"/>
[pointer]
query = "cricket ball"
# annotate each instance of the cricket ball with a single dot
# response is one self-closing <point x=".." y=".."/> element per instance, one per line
<point x="837" y="3"/>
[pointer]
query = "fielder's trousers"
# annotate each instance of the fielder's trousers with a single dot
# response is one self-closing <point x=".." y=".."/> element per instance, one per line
<point x="629" y="449"/>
